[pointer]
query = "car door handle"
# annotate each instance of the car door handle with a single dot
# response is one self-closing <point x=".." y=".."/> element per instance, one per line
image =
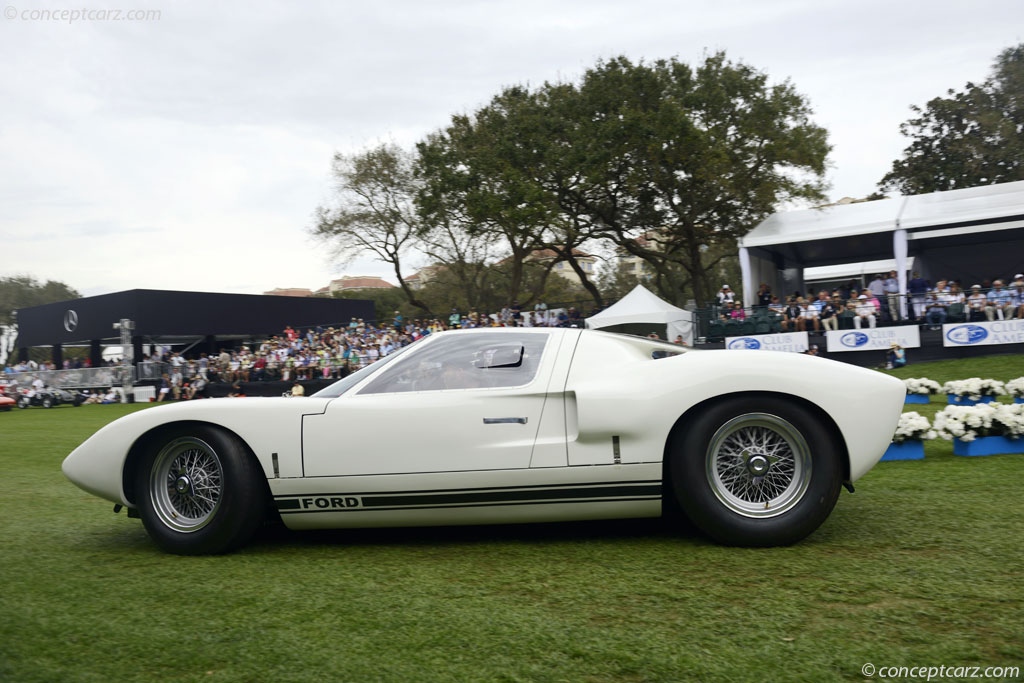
<point x="504" y="420"/>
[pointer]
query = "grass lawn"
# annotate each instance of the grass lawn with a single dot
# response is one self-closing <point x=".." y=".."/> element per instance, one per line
<point x="922" y="566"/>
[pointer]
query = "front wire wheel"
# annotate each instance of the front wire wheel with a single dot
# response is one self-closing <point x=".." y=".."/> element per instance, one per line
<point x="186" y="484"/>
<point x="200" y="490"/>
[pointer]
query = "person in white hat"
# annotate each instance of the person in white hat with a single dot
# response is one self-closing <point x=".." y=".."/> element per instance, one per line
<point x="865" y="310"/>
<point x="725" y="295"/>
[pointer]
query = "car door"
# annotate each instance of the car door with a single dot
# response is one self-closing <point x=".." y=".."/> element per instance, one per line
<point x="463" y="402"/>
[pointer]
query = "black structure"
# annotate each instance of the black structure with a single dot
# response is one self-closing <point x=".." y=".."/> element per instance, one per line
<point x="168" y="317"/>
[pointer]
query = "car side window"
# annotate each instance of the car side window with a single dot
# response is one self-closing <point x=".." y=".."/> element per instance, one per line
<point x="465" y="361"/>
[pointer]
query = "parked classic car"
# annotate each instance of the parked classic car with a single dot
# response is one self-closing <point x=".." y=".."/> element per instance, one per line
<point x="509" y="425"/>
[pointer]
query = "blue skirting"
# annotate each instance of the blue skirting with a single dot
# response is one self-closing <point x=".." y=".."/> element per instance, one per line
<point x="961" y="400"/>
<point x="917" y="398"/>
<point x="988" y="445"/>
<point x="908" y="450"/>
<point x="1018" y="399"/>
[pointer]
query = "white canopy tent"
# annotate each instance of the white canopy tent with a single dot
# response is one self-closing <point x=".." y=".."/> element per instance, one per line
<point x="643" y="306"/>
<point x="972" y="233"/>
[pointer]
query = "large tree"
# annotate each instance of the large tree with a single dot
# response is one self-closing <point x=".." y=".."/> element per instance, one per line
<point x="661" y="159"/>
<point x="374" y="209"/>
<point x="969" y="138"/>
<point x="713" y="150"/>
<point x="23" y="291"/>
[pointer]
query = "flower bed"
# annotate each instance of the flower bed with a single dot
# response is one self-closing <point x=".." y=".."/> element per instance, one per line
<point x="973" y="390"/>
<point x="995" y="427"/>
<point x="919" y="388"/>
<point x="907" y="441"/>
<point x="1015" y="388"/>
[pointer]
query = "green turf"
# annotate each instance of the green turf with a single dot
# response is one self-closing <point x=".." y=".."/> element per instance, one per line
<point x="922" y="566"/>
<point x="1001" y="367"/>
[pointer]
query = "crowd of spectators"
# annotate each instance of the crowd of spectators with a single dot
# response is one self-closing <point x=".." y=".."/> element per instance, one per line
<point x="325" y="352"/>
<point x="881" y="302"/>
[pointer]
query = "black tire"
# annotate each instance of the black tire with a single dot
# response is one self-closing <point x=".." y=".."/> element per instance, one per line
<point x="24" y="402"/>
<point x="755" y="471"/>
<point x="47" y="402"/>
<point x="76" y="401"/>
<point x="200" y="491"/>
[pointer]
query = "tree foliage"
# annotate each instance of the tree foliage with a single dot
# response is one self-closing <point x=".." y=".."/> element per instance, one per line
<point x="969" y="138"/>
<point x="23" y="291"/>
<point x="684" y="158"/>
<point x="374" y="210"/>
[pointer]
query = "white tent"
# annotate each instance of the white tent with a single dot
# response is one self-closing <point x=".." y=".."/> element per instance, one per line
<point x="642" y="306"/>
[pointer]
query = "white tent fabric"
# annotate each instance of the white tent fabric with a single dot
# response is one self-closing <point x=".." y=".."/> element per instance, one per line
<point x="917" y="223"/>
<point x="974" y="204"/>
<point x="643" y="306"/>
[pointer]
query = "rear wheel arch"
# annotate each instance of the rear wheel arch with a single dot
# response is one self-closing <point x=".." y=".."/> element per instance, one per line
<point x="697" y="409"/>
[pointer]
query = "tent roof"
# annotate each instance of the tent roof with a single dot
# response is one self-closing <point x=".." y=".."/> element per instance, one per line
<point x="639" y="306"/>
<point x="984" y="208"/>
<point x="825" y="223"/>
<point x="976" y="205"/>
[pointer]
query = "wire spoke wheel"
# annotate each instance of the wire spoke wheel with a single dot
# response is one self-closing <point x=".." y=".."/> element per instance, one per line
<point x="758" y="465"/>
<point x="186" y="484"/>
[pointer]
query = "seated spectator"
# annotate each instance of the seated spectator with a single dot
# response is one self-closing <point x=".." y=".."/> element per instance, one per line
<point x="1017" y="298"/>
<point x="828" y="313"/>
<point x="976" y="303"/>
<point x="793" y="318"/>
<point x="865" y="311"/>
<point x="810" y="315"/>
<point x="935" y="313"/>
<point x="999" y="305"/>
<point x="297" y="390"/>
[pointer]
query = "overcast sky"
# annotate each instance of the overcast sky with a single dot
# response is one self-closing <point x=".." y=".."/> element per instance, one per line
<point x="189" y="150"/>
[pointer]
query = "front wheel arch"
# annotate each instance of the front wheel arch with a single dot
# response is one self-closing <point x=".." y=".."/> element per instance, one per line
<point x="144" y="442"/>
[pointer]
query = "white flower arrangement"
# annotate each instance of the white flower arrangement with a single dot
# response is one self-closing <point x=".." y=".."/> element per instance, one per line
<point x="923" y="385"/>
<point x="974" y="388"/>
<point x="968" y="423"/>
<point x="1015" y="387"/>
<point x="913" y="427"/>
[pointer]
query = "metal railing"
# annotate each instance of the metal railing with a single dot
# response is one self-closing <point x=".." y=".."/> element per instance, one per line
<point x="717" y="321"/>
<point x="82" y="378"/>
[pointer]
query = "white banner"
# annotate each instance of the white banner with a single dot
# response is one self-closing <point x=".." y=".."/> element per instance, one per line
<point x="783" y="341"/>
<point x="980" y="334"/>
<point x="877" y="339"/>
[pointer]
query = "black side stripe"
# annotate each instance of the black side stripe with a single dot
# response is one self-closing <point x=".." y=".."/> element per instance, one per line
<point x="474" y="505"/>
<point x="628" y="482"/>
<point x="465" y="497"/>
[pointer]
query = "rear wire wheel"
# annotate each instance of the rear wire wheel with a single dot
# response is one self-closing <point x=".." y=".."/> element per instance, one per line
<point x="755" y="471"/>
<point x="200" y="491"/>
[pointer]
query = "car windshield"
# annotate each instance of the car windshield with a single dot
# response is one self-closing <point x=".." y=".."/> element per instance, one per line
<point x="349" y="381"/>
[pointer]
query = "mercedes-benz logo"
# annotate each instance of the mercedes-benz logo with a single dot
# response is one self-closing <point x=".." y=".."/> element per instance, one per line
<point x="70" y="320"/>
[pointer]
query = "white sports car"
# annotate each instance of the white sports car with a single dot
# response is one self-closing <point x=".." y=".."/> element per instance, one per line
<point x="511" y="425"/>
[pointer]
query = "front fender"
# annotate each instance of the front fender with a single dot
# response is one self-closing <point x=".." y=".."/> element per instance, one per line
<point x="266" y="425"/>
